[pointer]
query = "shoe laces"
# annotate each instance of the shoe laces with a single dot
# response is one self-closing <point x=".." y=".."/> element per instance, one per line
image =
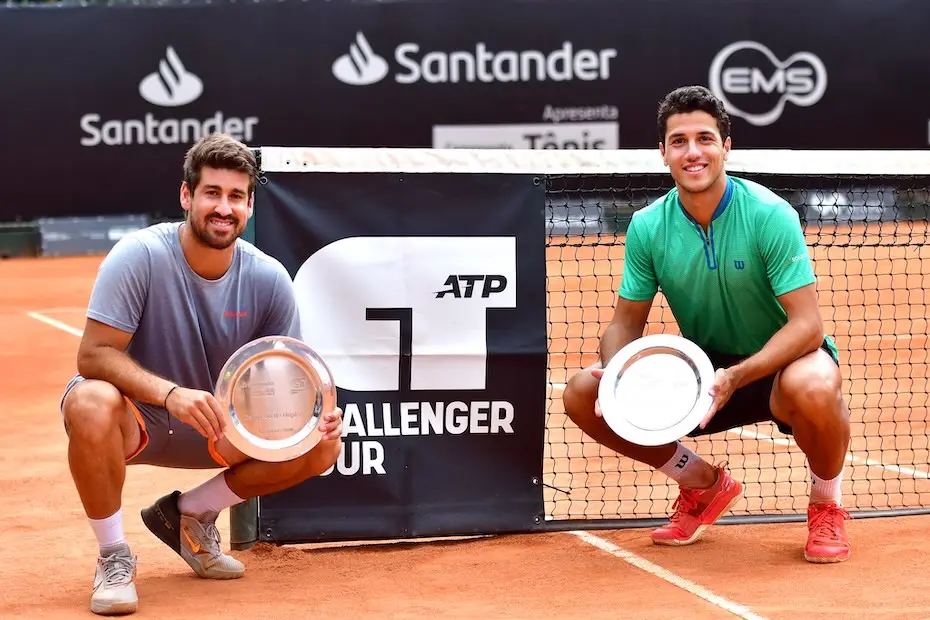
<point x="687" y="501"/>
<point x="212" y="538"/>
<point x="825" y="521"/>
<point x="117" y="569"/>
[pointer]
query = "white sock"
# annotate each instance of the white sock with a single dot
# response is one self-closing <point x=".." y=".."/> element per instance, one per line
<point x="683" y="467"/>
<point x="109" y="533"/>
<point x="827" y="490"/>
<point x="208" y="499"/>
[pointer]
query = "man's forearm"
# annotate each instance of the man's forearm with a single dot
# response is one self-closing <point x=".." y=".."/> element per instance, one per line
<point x="615" y="337"/>
<point x="116" y="367"/>
<point x="795" y="339"/>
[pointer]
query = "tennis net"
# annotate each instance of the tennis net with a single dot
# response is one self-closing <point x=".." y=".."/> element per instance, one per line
<point x="865" y="215"/>
<point x="865" y="219"/>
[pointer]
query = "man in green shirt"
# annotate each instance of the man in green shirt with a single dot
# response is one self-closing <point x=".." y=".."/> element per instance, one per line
<point x="732" y="261"/>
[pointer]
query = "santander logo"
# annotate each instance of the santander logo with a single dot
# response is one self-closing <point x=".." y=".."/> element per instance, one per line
<point x="172" y="85"/>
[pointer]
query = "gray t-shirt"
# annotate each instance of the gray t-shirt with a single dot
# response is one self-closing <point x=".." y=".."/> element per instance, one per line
<point x="184" y="326"/>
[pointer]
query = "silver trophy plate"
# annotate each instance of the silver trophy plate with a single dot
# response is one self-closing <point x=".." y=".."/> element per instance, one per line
<point x="274" y="391"/>
<point x="654" y="391"/>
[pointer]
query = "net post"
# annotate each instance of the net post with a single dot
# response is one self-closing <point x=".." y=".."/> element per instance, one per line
<point x="243" y="524"/>
<point x="249" y="232"/>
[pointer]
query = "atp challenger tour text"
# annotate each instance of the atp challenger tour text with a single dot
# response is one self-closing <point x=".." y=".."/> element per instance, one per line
<point x="410" y="419"/>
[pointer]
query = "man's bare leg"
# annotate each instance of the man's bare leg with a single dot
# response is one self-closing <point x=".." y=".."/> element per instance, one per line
<point x="808" y="397"/>
<point x="579" y="399"/>
<point x="250" y="478"/>
<point x="102" y="434"/>
<point x="247" y="478"/>
<point x="186" y="521"/>
<point x="706" y="492"/>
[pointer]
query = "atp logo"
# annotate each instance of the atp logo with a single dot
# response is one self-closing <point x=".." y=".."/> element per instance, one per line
<point x="369" y="306"/>
<point x="465" y="286"/>
<point x="361" y="66"/>
<point x="172" y="85"/>
<point x="746" y="76"/>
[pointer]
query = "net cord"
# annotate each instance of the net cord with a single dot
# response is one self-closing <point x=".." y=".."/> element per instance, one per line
<point x="623" y="161"/>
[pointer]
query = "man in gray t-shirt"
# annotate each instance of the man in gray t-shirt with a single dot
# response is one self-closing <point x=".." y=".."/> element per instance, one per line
<point x="169" y="306"/>
<point x="185" y="327"/>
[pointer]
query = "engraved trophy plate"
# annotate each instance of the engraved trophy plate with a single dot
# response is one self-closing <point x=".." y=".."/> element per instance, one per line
<point x="275" y="391"/>
<point x="655" y="390"/>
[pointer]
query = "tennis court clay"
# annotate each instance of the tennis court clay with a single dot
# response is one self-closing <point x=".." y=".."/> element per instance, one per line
<point x="877" y="310"/>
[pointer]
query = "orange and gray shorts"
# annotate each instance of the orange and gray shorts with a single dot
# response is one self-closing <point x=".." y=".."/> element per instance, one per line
<point x="165" y="440"/>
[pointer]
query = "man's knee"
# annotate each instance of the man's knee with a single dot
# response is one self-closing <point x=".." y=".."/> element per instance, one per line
<point x="93" y="409"/>
<point x="810" y="388"/>
<point x="580" y="393"/>
<point x="323" y="456"/>
<point x="329" y="454"/>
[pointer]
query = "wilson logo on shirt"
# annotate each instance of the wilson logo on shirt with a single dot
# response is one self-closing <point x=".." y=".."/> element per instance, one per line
<point x="739" y="264"/>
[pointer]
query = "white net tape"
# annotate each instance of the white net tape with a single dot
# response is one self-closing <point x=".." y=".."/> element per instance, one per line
<point x="631" y="161"/>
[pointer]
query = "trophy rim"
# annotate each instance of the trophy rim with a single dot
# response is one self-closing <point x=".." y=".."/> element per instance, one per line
<point x="313" y="368"/>
<point x="668" y="426"/>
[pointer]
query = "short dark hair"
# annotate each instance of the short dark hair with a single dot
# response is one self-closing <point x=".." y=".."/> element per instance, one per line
<point x="691" y="99"/>
<point x="221" y="151"/>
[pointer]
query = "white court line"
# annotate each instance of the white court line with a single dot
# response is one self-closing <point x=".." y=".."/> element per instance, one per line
<point x="56" y="323"/>
<point x="60" y="310"/>
<point x="852" y="458"/>
<point x="676" y="580"/>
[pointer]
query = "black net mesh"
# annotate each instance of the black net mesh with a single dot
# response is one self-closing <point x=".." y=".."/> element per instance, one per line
<point x="868" y="239"/>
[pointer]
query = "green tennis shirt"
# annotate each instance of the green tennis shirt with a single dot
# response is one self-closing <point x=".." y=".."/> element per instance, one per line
<point x="722" y="286"/>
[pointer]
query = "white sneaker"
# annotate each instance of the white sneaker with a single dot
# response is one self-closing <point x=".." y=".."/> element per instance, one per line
<point x="195" y="541"/>
<point x="200" y="548"/>
<point x="114" y="585"/>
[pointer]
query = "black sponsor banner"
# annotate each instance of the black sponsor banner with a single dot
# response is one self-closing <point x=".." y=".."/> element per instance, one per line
<point x="426" y="296"/>
<point x="99" y="124"/>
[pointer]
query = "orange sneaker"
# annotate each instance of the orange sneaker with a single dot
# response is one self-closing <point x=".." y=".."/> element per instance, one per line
<point x="697" y="509"/>
<point x="827" y="541"/>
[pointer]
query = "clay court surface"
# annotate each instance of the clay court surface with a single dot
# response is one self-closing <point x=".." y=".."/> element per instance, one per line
<point x="752" y="571"/>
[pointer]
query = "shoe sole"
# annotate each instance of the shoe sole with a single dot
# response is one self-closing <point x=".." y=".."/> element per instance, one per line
<point x="826" y="559"/>
<point x="207" y="574"/>
<point x="114" y="609"/>
<point x="678" y="542"/>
